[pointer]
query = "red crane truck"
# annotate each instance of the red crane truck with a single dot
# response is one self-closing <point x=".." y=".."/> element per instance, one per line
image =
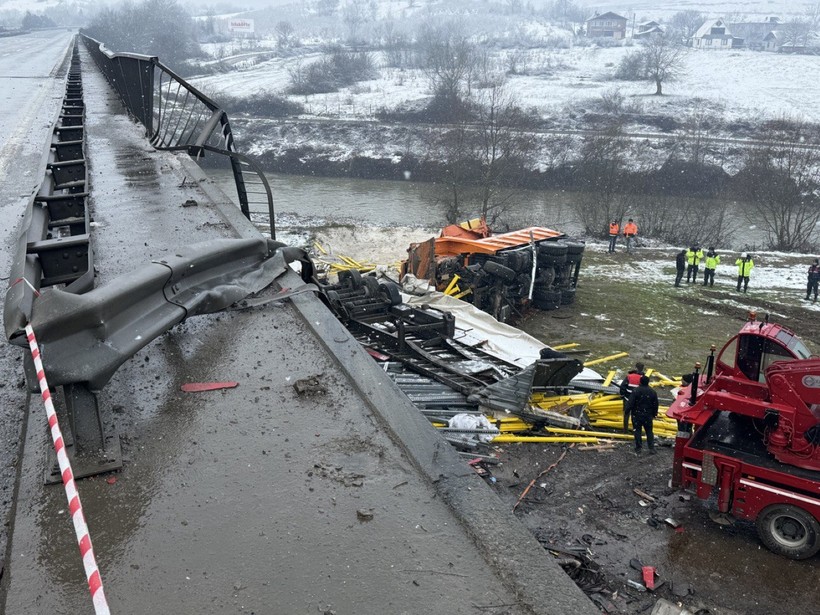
<point x="749" y="434"/>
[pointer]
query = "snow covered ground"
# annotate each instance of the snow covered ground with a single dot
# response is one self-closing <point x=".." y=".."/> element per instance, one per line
<point x="738" y="85"/>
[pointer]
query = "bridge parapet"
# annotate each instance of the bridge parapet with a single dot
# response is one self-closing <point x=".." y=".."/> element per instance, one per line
<point x="178" y="117"/>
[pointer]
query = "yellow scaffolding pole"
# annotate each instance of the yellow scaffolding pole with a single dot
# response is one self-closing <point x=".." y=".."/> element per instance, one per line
<point x="566" y="346"/>
<point x="554" y="439"/>
<point x="612" y="357"/>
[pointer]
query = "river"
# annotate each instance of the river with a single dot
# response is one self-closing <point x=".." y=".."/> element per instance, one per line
<point x="303" y="203"/>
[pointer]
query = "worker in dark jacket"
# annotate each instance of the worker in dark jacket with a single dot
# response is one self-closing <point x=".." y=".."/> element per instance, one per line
<point x="628" y="384"/>
<point x="814" y="279"/>
<point x="680" y="266"/>
<point x="643" y="405"/>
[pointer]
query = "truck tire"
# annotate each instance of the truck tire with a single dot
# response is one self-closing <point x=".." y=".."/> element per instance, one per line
<point x="575" y="252"/>
<point x="567" y="296"/>
<point x="391" y="292"/>
<point x="789" y="531"/>
<point x="553" y="248"/>
<point x="371" y="285"/>
<point x="353" y="275"/>
<point x="545" y="277"/>
<point x="546" y="299"/>
<point x="575" y="247"/>
<point x="499" y="271"/>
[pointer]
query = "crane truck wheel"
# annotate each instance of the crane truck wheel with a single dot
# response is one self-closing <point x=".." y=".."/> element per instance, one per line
<point x="788" y="530"/>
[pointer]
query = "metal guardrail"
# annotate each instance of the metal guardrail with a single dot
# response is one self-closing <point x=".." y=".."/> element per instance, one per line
<point x="54" y="247"/>
<point x="178" y="117"/>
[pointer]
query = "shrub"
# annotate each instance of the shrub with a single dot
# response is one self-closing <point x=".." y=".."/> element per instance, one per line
<point x="260" y="104"/>
<point x="632" y="67"/>
<point x="340" y="69"/>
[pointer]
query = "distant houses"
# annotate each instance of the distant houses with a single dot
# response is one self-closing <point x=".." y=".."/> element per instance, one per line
<point x="647" y="29"/>
<point x="766" y="35"/>
<point x="756" y="34"/>
<point x="608" y="25"/>
<point x="769" y="34"/>
<point x="715" y="34"/>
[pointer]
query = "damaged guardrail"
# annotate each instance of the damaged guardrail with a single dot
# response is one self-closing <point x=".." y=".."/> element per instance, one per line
<point x="178" y="117"/>
<point x="84" y="338"/>
<point x="54" y="246"/>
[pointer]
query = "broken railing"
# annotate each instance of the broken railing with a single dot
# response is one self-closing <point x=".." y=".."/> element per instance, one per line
<point x="178" y="117"/>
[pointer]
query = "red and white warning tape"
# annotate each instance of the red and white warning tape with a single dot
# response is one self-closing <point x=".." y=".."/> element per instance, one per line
<point x="92" y="573"/>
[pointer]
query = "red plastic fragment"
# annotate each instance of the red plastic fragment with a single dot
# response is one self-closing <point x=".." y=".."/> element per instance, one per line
<point x="648" y="576"/>
<point x="111" y="480"/>
<point x="679" y="529"/>
<point x="377" y="355"/>
<point x="196" y="387"/>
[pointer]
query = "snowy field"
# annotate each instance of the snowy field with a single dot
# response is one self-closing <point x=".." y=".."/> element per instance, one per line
<point x="739" y="85"/>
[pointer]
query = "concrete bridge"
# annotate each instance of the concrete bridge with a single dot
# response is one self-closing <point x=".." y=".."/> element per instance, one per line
<point x="255" y="499"/>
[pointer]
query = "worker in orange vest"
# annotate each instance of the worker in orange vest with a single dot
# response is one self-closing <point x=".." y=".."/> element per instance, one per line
<point x="628" y="384"/>
<point x="630" y="231"/>
<point x="614" y="231"/>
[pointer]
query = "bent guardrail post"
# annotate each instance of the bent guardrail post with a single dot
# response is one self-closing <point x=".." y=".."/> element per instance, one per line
<point x="85" y="338"/>
<point x="177" y="117"/>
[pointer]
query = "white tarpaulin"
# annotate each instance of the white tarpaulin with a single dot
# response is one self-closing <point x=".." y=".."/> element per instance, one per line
<point x="477" y="328"/>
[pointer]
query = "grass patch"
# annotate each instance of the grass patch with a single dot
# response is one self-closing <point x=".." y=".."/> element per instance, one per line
<point x="620" y="308"/>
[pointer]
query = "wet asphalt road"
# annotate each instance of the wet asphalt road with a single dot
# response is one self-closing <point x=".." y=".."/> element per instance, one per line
<point x="255" y="499"/>
<point x="29" y="99"/>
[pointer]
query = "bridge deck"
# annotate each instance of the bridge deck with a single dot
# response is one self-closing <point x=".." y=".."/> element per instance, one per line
<point x="257" y="499"/>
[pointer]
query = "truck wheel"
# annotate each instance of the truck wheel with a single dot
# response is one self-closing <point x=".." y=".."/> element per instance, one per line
<point x="371" y="284"/>
<point x="392" y="292"/>
<point x="353" y="275"/>
<point x="499" y="271"/>
<point x="788" y="530"/>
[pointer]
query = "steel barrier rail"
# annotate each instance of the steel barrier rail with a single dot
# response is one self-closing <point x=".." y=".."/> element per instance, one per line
<point x="177" y="117"/>
<point x="86" y="338"/>
<point x="54" y="246"/>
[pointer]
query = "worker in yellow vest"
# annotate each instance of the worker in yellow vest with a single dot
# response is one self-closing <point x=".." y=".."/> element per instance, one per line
<point x="745" y="264"/>
<point x="710" y="264"/>
<point x="614" y="231"/>
<point x="693" y="257"/>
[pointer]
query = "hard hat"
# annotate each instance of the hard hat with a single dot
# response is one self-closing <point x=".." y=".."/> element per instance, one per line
<point x="744" y="255"/>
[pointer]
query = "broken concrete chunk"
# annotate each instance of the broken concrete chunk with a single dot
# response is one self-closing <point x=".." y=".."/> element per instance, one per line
<point x="310" y="386"/>
<point x="364" y="514"/>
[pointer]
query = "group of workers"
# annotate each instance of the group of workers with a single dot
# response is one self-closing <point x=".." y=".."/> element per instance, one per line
<point x="630" y="232"/>
<point x="689" y="260"/>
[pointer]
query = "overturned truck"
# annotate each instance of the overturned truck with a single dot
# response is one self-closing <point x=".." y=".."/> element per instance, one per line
<point x="503" y="275"/>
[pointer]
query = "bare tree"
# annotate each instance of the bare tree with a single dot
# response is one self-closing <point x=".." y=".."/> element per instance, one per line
<point x="663" y="60"/>
<point x="686" y="23"/>
<point x="796" y="32"/>
<point x="600" y="176"/>
<point x="447" y="59"/>
<point x="327" y="7"/>
<point x="567" y="13"/>
<point x="354" y="15"/>
<point x="781" y="182"/>
<point x="486" y="154"/>
<point x="503" y="148"/>
<point x="284" y="33"/>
